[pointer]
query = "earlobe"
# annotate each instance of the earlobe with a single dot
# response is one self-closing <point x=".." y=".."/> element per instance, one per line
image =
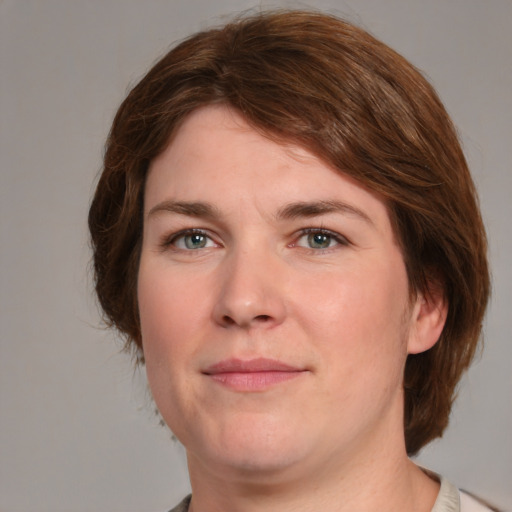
<point x="427" y="322"/>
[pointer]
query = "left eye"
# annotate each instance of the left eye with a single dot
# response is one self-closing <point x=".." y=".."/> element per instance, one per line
<point x="319" y="240"/>
<point x="192" y="241"/>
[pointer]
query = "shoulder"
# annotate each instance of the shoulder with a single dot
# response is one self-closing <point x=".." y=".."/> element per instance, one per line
<point x="451" y="499"/>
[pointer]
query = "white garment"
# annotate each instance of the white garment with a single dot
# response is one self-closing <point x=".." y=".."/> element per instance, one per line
<point x="450" y="499"/>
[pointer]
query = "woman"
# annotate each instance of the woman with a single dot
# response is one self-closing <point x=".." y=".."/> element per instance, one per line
<point x="287" y="234"/>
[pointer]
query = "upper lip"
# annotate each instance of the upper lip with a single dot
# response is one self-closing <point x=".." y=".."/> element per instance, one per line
<point x="260" y="364"/>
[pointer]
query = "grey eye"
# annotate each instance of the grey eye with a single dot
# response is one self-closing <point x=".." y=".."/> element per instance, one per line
<point x="192" y="241"/>
<point x="319" y="240"/>
<point x="195" y="241"/>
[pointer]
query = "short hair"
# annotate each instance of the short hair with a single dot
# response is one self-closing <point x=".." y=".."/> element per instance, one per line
<point x="319" y="82"/>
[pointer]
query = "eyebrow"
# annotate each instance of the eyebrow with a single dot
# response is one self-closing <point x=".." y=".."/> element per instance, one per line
<point x="301" y="209"/>
<point x="190" y="209"/>
<point x="317" y="208"/>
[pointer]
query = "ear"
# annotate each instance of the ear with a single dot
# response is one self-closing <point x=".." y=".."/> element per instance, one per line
<point x="427" y="320"/>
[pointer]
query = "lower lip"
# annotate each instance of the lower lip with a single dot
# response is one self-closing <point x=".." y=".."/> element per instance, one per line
<point x="253" y="381"/>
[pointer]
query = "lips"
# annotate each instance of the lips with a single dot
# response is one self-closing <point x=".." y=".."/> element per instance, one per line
<point x="252" y="375"/>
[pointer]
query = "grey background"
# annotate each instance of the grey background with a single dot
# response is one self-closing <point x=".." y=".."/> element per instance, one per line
<point x="77" y="429"/>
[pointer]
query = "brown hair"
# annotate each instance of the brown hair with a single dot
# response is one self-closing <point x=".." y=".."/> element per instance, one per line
<point x="330" y="87"/>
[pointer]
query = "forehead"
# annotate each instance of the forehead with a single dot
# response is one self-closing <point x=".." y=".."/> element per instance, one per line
<point x="217" y="157"/>
<point x="218" y="133"/>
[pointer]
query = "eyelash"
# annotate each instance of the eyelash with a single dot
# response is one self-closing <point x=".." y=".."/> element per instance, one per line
<point x="170" y="241"/>
<point x="336" y="237"/>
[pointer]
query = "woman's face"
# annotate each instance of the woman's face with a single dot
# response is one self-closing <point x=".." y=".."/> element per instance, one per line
<point x="274" y="303"/>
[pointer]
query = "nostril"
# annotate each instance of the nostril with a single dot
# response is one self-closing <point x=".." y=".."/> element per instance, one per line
<point x="228" y="320"/>
<point x="262" y="318"/>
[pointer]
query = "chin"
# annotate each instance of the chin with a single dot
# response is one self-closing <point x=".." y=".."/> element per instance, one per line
<point x="258" y="465"/>
<point x="254" y="448"/>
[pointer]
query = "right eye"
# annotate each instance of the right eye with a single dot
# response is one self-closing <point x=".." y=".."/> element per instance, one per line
<point x="191" y="240"/>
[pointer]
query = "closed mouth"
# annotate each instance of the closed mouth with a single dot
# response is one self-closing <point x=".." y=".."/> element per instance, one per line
<point x="252" y="375"/>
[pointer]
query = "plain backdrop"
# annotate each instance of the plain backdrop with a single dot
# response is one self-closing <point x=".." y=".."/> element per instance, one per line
<point x="77" y="428"/>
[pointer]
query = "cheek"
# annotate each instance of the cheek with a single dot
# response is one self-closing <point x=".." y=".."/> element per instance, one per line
<point x="359" y="316"/>
<point x="166" y="315"/>
<point x="360" y="302"/>
<point x="168" y="307"/>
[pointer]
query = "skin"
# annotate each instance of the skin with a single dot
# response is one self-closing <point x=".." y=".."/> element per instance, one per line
<point x="293" y="262"/>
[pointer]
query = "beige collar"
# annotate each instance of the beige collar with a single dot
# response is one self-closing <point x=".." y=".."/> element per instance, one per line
<point x="448" y="499"/>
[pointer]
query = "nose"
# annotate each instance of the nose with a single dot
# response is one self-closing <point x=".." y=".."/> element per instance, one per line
<point x="251" y="292"/>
